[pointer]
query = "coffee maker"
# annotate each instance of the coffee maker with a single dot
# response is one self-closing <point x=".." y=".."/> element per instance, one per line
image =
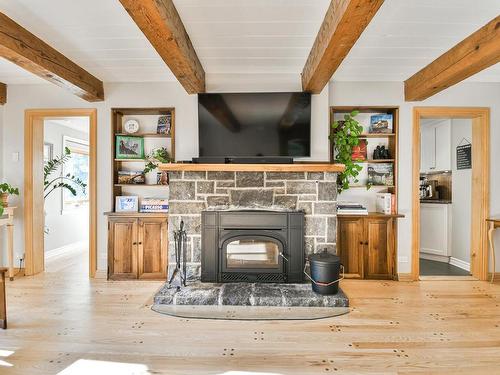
<point x="428" y="189"/>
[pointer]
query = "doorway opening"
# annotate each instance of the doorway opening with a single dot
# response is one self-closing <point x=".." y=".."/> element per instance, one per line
<point x="450" y="193"/>
<point x="60" y="171"/>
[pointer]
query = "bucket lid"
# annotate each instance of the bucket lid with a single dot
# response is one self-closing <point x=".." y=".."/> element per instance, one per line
<point x="324" y="258"/>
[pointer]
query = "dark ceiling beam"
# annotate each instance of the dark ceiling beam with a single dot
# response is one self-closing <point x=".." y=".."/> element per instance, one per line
<point x="478" y="51"/>
<point x="28" y="51"/>
<point x="344" y="22"/>
<point x="161" y="24"/>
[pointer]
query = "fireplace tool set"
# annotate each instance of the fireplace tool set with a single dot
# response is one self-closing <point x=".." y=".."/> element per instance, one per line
<point x="180" y="238"/>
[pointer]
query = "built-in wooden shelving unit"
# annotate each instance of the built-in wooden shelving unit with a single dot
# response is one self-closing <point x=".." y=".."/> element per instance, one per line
<point x="367" y="244"/>
<point x="148" y="119"/>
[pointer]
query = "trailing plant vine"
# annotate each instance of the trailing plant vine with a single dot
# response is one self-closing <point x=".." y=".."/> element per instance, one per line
<point x="346" y="135"/>
<point x="156" y="157"/>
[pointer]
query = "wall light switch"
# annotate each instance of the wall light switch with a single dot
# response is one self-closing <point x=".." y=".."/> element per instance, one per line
<point x="15" y="156"/>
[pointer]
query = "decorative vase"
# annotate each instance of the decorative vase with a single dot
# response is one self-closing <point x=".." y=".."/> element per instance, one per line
<point x="5" y="199"/>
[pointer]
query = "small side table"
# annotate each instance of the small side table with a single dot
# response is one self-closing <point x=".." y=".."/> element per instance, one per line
<point x="493" y="223"/>
<point x="3" y="301"/>
<point x="7" y="220"/>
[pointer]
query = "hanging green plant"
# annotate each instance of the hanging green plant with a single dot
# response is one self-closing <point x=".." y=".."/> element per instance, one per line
<point x="345" y="136"/>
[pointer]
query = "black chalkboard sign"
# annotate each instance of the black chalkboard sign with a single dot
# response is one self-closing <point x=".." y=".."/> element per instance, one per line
<point x="464" y="156"/>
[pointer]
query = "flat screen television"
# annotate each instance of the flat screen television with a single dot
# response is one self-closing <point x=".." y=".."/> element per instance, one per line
<point x="254" y="124"/>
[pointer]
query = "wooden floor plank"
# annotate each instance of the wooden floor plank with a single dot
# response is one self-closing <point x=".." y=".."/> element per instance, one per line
<point x="61" y="322"/>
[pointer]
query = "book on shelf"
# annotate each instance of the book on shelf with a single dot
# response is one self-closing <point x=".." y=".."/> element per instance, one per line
<point x="153" y="205"/>
<point x="381" y="124"/>
<point x="381" y="174"/>
<point x="351" y="208"/>
<point x="359" y="151"/>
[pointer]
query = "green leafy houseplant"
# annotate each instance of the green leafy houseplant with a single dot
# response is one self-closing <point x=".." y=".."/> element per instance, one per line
<point x="69" y="182"/>
<point x="156" y="157"/>
<point x="6" y="190"/>
<point x="345" y="136"/>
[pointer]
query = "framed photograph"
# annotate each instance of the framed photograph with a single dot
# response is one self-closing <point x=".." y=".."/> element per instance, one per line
<point x="48" y="152"/>
<point x="164" y="124"/>
<point x="381" y="124"/>
<point x="129" y="147"/>
<point x="131" y="177"/>
<point x="127" y="204"/>
<point x="381" y="174"/>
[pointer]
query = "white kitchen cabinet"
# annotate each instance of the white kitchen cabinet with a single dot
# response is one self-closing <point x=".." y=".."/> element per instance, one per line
<point x="443" y="146"/>
<point x="428" y="149"/>
<point x="435" y="229"/>
<point x="435" y="146"/>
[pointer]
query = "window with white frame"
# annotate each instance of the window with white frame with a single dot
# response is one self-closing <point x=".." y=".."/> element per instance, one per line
<point x="78" y="166"/>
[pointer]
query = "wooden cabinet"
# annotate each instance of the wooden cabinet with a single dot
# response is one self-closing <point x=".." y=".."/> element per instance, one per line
<point x="366" y="246"/>
<point x="137" y="247"/>
<point x="350" y="245"/>
<point x="435" y="223"/>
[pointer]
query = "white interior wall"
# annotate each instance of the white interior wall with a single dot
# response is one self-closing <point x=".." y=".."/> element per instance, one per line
<point x="392" y="94"/>
<point x="461" y="191"/>
<point x="23" y="97"/>
<point x="68" y="227"/>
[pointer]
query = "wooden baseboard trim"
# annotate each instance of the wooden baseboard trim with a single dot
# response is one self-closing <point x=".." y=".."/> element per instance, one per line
<point x="497" y="276"/>
<point x="405" y="277"/>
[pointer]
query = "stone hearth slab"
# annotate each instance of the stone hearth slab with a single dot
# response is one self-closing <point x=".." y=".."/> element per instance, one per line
<point x="248" y="294"/>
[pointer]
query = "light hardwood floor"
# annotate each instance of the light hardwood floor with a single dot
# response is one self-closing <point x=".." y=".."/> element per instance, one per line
<point x="61" y="322"/>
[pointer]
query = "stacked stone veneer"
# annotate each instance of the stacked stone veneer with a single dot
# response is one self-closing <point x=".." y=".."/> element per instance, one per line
<point x="315" y="193"/>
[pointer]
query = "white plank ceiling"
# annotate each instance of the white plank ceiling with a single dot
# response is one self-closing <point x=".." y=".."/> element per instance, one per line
<point x="247" y="45"/>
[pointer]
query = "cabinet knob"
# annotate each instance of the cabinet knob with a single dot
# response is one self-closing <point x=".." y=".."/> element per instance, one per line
<point x="366" y="243"/>
<point x="361" y="242"/>
<point x="140" y="243"/>
<point x="134" y="243"/>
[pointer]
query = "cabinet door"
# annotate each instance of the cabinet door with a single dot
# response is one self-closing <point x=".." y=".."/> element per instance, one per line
<point x="379" y="248"/>
<point x="122" y="248"/>
<point x="443" y="146"/>
<point x="350" y="245"/>
<point x="434" y="229"/>
<point x="427" y="149"/>
<point x="152" y="248"/>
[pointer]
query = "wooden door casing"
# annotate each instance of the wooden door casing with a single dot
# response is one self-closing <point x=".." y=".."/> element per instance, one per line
<point x="152" y="248"/>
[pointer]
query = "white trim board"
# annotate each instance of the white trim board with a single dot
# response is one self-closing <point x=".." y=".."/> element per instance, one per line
<point x="444" y="259"/>
<point x="460" y="264"/>
<point x="66" y="248"/>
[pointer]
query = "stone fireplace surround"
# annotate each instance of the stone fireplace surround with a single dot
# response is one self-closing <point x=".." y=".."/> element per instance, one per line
<point x="191" y="192"/>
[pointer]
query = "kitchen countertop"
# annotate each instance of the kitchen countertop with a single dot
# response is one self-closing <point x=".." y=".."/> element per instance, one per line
<point x="436" y="201"/>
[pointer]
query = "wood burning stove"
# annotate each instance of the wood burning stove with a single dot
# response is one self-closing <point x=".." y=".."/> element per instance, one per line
<point x="252" y="246"/>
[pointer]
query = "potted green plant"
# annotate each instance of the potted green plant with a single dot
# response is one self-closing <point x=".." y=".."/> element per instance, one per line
<point x="345" y="136"/>
<point x="6" y="190"/>
<point x="156" y="157"/>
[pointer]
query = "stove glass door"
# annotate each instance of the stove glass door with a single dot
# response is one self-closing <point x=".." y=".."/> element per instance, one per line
<point x="252" y="253"/>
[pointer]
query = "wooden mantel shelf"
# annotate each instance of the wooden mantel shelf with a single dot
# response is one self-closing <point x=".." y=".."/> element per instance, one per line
<point x="296" y="167"/>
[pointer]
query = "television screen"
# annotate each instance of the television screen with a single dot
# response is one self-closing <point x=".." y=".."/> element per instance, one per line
<point x="254" y="124"/>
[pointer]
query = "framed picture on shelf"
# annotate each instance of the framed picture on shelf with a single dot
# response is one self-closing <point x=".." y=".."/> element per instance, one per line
<point x="125" y="203"/>
<point x="381" y="124"/>
<point x="129" y="147"/>
<point x="381" y="174"/>
<point x="164" y="124"/>
<point x="131" y="177"/>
